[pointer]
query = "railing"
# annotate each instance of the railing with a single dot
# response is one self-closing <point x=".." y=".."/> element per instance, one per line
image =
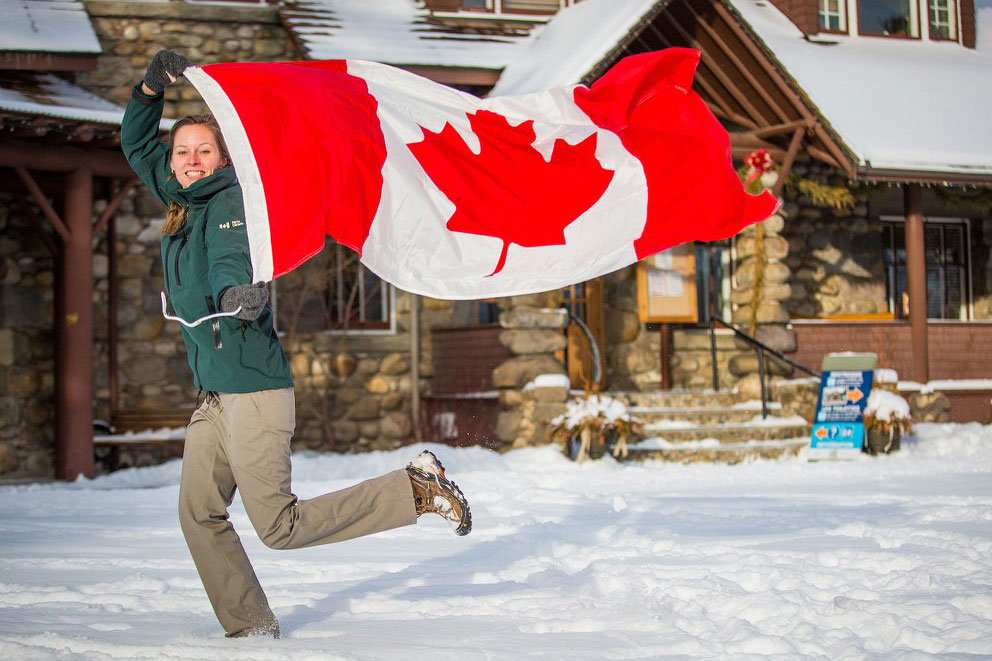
<point x="597" y="371"/>
<point x="762" y="349"/>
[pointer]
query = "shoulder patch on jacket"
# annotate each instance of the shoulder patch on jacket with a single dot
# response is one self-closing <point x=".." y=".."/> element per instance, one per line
<point x="229" y="224"/>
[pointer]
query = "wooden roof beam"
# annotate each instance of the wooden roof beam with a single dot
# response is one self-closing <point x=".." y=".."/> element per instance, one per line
<point x="727" y="112"/>
<point x="733" y="57"/>
<point x="112" y="205"/>
<point x="756" y="116"/>
<point x="43" y="204"/>
<point x="841" y="159"/>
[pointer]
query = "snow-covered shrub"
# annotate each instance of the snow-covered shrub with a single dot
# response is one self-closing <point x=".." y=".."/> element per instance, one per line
<point x="887" y="413"/>
<point x="593" y="422"/>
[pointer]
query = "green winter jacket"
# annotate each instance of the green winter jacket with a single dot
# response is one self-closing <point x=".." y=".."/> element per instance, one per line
<point x="208" y="255"/>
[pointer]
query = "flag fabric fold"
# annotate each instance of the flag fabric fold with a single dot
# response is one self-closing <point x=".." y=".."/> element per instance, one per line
<point x="451" y="196"/>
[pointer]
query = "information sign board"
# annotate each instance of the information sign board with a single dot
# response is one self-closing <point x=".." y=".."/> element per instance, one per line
<point x="839" y="427"/>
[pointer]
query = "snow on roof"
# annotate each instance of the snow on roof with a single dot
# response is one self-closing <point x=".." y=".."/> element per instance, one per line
<point x="571" y="45"/>
<point x="48" y="26"/>
<point x="902" y="104"/>
<point x="394" y="32"/>
<point x="50" y="96"/>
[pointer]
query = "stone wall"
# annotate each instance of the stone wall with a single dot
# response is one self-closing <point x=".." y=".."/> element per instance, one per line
<point x="27" y="363"/>
<point x="533" y="334"/>
<point x="130" y="34"/>
<point x="353" y="389"/>
<point x="835" y="256"/>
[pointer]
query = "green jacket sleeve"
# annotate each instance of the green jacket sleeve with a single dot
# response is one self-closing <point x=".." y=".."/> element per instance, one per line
<point x="226" y="237"/>
<point x="147" y="156"/>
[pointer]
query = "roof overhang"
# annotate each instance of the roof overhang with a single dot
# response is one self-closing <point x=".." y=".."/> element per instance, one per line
<point x="38" y="61"/>
<point x="454" y="75"/>
<point x="924" y="177"/>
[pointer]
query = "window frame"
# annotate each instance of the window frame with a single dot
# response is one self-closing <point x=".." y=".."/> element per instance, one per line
<point x="954" y="12"/>
<point x="372" y="328"/>
<point x="967" y="290"/>
<point x="822" y="11"/>
<point x="915" y="14"/>
<point x="495" y="7"/>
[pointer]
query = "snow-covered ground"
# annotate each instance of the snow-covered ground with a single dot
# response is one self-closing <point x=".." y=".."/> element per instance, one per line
<point x="887" y="557"/>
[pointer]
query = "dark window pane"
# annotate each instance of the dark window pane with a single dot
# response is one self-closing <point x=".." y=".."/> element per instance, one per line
<point x="899" y="242"/>
<point x="935" y="293"/>
<point x="890" y="17"/>
<point x="933" y="238"/>
<point x="955" y="294"/>
<point x="954" y="245"/>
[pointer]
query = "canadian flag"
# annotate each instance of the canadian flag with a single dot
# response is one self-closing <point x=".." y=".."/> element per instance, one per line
<point x="451" y="196"/>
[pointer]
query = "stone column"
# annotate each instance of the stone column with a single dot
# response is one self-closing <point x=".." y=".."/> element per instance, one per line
<point x="533" y="332"/>
<point x="758" y="299"/>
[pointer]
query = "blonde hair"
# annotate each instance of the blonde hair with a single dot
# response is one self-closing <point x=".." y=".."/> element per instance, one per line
<point x="176" y="215"/>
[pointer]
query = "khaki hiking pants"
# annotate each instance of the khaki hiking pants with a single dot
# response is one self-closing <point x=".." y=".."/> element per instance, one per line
<point x="241" y="441"/>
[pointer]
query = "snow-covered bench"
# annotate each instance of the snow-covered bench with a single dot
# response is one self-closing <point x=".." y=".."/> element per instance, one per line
<point x="165" y="429"/>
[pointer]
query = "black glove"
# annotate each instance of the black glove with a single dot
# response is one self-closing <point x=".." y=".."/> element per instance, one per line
<point x="251" y="299"/>
<point x="164" y="64"/>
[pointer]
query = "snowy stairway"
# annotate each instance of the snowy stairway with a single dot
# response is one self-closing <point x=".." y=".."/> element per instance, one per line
<point x="707" y="426"/>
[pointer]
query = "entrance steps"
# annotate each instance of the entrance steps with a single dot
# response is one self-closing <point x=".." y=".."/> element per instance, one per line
<point x="689" y="426"/>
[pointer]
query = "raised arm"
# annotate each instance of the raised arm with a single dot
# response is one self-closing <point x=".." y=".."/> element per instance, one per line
<point x="147" y="156"/>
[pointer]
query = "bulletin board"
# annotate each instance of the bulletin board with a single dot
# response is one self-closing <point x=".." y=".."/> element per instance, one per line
<point x="666" y="286"/>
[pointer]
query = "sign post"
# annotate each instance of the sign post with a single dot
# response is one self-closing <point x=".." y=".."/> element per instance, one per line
<point x="839" y="429"/>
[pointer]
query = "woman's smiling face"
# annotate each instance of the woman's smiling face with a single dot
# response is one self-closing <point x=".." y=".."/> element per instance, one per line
<point x="195" y="154"/>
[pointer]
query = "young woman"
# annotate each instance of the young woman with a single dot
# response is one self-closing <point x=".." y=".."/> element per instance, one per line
<point x="238" y="438"/>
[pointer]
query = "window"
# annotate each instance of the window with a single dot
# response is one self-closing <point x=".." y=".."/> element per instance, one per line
<point x="833" y="15"/>
<point x="532" y="6"/>
<point x="947" y="263"/>
<point x="889" y="18"/>
<point x="943" y="20"/>
<point x="515" y="6"/>
<point x="334" y="291"/>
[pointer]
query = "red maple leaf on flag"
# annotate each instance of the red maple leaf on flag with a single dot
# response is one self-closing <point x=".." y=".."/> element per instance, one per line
<point x="508" y="190"/>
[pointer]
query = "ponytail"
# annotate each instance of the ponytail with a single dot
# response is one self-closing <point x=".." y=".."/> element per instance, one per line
<point x="174" y="219"/>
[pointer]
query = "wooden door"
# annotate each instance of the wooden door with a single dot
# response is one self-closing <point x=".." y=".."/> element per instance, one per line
<point x="585" y="301"/>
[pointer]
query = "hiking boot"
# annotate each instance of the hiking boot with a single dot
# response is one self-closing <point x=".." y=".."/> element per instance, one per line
<point x="265" y="630"/>
<point x="433" y="492"/>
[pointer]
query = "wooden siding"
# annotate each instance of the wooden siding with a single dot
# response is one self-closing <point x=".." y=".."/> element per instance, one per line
<point x="464" y="358"/>
<point x="967" y="9"/>
<point x="957" y="350"/>
<point x="804" y="13"/>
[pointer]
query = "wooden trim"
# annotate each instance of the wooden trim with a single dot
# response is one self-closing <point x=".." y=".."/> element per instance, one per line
<point x="454" y="75"/>
<point x="47" y="62"/>
<point x="874" y="316"/>
<point x="63" y="158"/>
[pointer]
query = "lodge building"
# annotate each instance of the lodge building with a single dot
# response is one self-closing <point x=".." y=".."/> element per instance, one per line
<point x="872" y="109"/>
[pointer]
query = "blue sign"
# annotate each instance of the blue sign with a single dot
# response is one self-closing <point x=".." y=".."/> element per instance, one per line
<point x="839" y="422"/>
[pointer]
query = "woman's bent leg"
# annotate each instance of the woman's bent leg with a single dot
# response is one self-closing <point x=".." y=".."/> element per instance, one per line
<point x="260" y="426"/>
<point x="205" y="492"/>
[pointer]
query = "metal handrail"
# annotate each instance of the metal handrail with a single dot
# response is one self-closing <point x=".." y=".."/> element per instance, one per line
<point x="597" y="372"/>
<point x="761" y="348"/>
